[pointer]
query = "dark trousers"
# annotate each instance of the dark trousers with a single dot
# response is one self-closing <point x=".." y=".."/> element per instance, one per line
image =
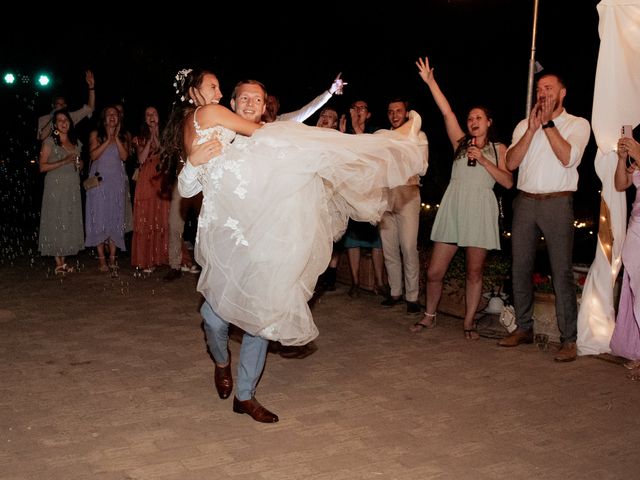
<point x="553" y="217"/>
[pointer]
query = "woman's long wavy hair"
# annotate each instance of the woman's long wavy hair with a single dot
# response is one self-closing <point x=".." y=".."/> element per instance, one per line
<point x="173" y="151"/>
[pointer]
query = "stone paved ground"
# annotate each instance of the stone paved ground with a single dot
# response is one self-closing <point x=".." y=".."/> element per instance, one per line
<point x="108" y="378"/>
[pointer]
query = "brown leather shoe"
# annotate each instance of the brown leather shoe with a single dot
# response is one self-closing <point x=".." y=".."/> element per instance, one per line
<point x="302" y="351"/>
<point x="517" y="337"/>
<point x="567" y="353"/>
<point x="223" y="381"/>
<point x="253" y="408"/>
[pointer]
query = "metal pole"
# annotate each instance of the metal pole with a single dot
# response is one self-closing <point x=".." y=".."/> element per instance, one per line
<point x="532" y="59"/>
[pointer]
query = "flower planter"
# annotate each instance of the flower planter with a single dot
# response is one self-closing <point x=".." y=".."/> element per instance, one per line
<point x="544" y="313"/>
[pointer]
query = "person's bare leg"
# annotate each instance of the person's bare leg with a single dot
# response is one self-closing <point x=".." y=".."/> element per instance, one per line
<point x="475" y="258"/>
<point x="353" y="255"/>
<point x="441" y="256"/>
<point x="102" y="262"/>
<point x="112" y="253"/>
<point x="378" y="267"/>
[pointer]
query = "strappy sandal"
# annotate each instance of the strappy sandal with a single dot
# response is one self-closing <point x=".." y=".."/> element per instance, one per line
<point x="632" y="364"/>
<point x="103" y="267"/>
<point x="471" y="333"/>
<point x="63" y="269"/>
<point x="420" y="326"/>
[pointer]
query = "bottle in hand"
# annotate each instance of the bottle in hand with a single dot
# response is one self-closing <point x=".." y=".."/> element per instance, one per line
<point x="471" y="162"/>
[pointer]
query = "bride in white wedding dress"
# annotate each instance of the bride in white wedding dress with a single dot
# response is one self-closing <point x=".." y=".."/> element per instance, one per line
<point x="275" y="201"/>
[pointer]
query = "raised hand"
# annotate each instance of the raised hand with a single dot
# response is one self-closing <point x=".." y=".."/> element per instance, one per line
<point x="337" y="85"/>
<point x="425" y="72"/>
<point x="91" y="82"/>
<point x="546" y="106"/>
<point x="535" y="117"/>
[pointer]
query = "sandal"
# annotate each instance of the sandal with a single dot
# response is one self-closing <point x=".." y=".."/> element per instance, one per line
<point x="419" y="326"/>
<point x="632" y="364"/>
<point x="103" y="265"/>
<point x="63" y="269"/>
<point x="471" y="333"/>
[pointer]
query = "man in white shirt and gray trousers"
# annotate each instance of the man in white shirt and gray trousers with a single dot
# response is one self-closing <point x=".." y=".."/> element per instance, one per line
<point x="547" y="148"/>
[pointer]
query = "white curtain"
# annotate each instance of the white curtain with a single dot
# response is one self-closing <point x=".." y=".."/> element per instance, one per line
<point x="616" y="102"/>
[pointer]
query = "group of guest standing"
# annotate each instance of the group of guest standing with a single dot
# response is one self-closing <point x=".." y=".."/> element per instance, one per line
<point x="108" y="212"/>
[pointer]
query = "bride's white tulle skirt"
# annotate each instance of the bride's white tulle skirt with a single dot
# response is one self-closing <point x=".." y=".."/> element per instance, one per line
<point x="272" y="209"/>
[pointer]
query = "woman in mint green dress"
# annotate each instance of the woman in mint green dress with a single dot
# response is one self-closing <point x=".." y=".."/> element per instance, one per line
<point x="468" y="213"/>
<point x="61" y="233"/>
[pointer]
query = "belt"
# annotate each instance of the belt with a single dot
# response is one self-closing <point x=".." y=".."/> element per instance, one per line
<point x="545" y="196"/>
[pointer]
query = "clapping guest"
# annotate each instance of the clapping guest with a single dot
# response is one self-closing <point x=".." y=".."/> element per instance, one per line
<point x="625" y="341"/>
<point x="546" y="149"/>
<point x="105" y="212"/>
<point x="149" y="247"/>
<point x="61" y="232"/>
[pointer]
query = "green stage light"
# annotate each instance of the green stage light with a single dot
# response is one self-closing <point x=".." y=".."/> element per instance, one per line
<point x="43" y="80"/>
<point x="9" y="78"/>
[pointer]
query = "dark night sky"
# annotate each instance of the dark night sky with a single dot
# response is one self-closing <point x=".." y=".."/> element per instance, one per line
<point x="479" y="48"/>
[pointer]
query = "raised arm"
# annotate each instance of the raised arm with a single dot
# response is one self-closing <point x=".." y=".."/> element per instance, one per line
<point x="454" y="131"/>
<point x="91" y="83"/>
<point x="312" y="107"/>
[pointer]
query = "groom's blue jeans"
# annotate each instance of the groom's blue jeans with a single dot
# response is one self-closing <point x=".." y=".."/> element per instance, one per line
<point x="253" y="352"/>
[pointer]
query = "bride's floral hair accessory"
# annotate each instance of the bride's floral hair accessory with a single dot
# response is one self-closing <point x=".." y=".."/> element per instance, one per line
<point x="180" y="77"/>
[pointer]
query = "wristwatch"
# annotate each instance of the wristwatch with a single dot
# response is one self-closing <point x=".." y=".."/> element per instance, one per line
<point x="549" y="124"/>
